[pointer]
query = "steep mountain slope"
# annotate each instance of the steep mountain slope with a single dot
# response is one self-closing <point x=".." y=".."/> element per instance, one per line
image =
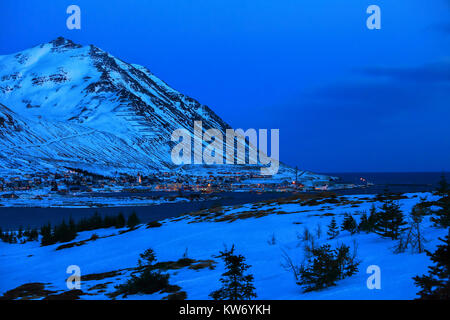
<point x="28" y="144"/>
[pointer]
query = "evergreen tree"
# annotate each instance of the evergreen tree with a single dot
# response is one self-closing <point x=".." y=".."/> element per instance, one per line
<point x="54" y="234"/>
<point x="333" y="230"/>
<point x="443" y="185"/>
<point x="133" y="220"/>
<point x="236" y="285"/>
<point x="349" y="224"/>
<point x="120" y="221"/>
<point x="436" y="284"/>
<point x="62" y="233"/>
<point x="321" y="271"/>
<point x="326" y="266"/>
<point x="82" y="225"/>
<point x="389" y="220"/>
<point x="367" y="223"/>
<point x="72" y="228"/>
<point x="147" y="281"/>
<point x="96" y="221"/>
<point x="109" y="221"/>
<point x="443" y="214"/>
<point x="46" y="233"/>
<point x="346" y="261"/>
<point x="373" y="218"/>
<point x="364" y="224"/>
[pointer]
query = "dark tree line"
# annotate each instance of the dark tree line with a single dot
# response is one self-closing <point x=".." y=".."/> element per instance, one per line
<point x="387" y="222"/>
<point x="65" y="232"/>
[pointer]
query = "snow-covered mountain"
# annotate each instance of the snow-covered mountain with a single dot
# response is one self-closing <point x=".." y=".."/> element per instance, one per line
<point x="27" y="143"/>
<point x="90" y="94"/>
<point x="64" y="104"/>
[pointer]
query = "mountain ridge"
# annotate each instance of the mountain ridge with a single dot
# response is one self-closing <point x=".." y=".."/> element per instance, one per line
<point x="79" y="88"/>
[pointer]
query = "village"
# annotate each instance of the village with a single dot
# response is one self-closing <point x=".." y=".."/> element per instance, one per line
<point x="75" y="181"/>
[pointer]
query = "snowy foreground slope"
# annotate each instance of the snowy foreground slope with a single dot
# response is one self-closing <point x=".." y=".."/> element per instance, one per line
<point x="250" y="227"/>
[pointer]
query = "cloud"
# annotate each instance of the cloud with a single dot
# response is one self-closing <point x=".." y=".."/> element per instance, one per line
<point x="432" y="73"/>
<point x="384" y="94"/>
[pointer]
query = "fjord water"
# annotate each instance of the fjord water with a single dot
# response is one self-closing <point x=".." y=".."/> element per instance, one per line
<point x="397" y="182"/>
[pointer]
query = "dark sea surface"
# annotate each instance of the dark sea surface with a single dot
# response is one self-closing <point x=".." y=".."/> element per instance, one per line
<point x="12" y="218"/>
<point x="396" y="182"/>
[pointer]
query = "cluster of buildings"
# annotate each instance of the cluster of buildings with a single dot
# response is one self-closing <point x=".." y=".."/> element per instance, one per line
<point x="73" y="181"/>
<point x="236" y="181"/>
<point x="24" y="182"/>
<point x="56" y="182"/>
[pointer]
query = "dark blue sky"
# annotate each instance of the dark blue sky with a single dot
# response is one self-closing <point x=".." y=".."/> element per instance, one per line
<point x="344" y="97"/>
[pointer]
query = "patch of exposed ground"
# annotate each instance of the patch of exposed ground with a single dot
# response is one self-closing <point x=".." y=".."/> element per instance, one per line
<point x="185" y="262"/>
<point x="94" y="237"/>
<point x="38" y="291"/>
<point x="28" y="291"/>
<point x="328" y="201"/>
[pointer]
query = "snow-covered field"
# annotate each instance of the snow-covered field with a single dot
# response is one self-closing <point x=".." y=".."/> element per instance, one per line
<point x="251" y="228"/>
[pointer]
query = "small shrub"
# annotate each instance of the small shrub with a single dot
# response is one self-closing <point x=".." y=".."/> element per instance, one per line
<point x="94" y="237"/>
<point x="181" y="295"/>
<point x="154" y="224"/>
<point x="326" y="266"/>
<point x="147" y="281"/>
<point x="412" y="237"/>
